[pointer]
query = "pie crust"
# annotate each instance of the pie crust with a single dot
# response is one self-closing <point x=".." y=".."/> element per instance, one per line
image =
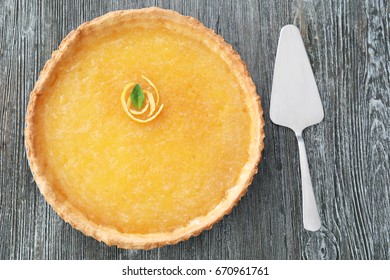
<point x="103" y="232"/>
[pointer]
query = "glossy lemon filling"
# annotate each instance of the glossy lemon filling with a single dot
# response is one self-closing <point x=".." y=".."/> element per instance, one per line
<point x="143" y="177"/>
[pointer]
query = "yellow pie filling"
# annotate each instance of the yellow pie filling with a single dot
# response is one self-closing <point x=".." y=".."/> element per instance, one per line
<point x="143" y="177"/>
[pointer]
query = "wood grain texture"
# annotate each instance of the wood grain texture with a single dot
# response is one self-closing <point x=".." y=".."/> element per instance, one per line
<point x="348" y="43"/>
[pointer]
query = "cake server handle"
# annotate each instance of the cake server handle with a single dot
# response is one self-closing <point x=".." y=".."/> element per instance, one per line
<point x="311" y="218"/>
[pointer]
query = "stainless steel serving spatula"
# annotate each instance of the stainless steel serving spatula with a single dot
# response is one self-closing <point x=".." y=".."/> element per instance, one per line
<point x="296" y="104"/>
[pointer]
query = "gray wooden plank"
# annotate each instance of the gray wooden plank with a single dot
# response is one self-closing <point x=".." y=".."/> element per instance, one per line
<point x="376" y="87"/>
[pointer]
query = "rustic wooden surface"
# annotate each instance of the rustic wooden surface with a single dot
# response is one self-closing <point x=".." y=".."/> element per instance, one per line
<point x="348" y="43"/>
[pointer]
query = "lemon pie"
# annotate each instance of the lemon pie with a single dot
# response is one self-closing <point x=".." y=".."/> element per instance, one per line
<point x="144" y="128"/>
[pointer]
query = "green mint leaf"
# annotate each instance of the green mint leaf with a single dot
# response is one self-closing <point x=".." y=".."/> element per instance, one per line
<point x="137" y="97"/>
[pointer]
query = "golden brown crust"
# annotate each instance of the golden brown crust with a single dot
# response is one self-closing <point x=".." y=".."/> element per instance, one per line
<point x="147" y="241"/>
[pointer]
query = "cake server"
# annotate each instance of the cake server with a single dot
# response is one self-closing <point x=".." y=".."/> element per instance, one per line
<point x="296" y="104"/>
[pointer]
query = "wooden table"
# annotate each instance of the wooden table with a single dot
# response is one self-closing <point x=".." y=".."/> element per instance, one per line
<point x="348" y="43"/>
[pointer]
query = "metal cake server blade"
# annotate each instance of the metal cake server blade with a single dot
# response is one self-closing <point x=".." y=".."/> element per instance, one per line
<point x="296" y="104"/>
